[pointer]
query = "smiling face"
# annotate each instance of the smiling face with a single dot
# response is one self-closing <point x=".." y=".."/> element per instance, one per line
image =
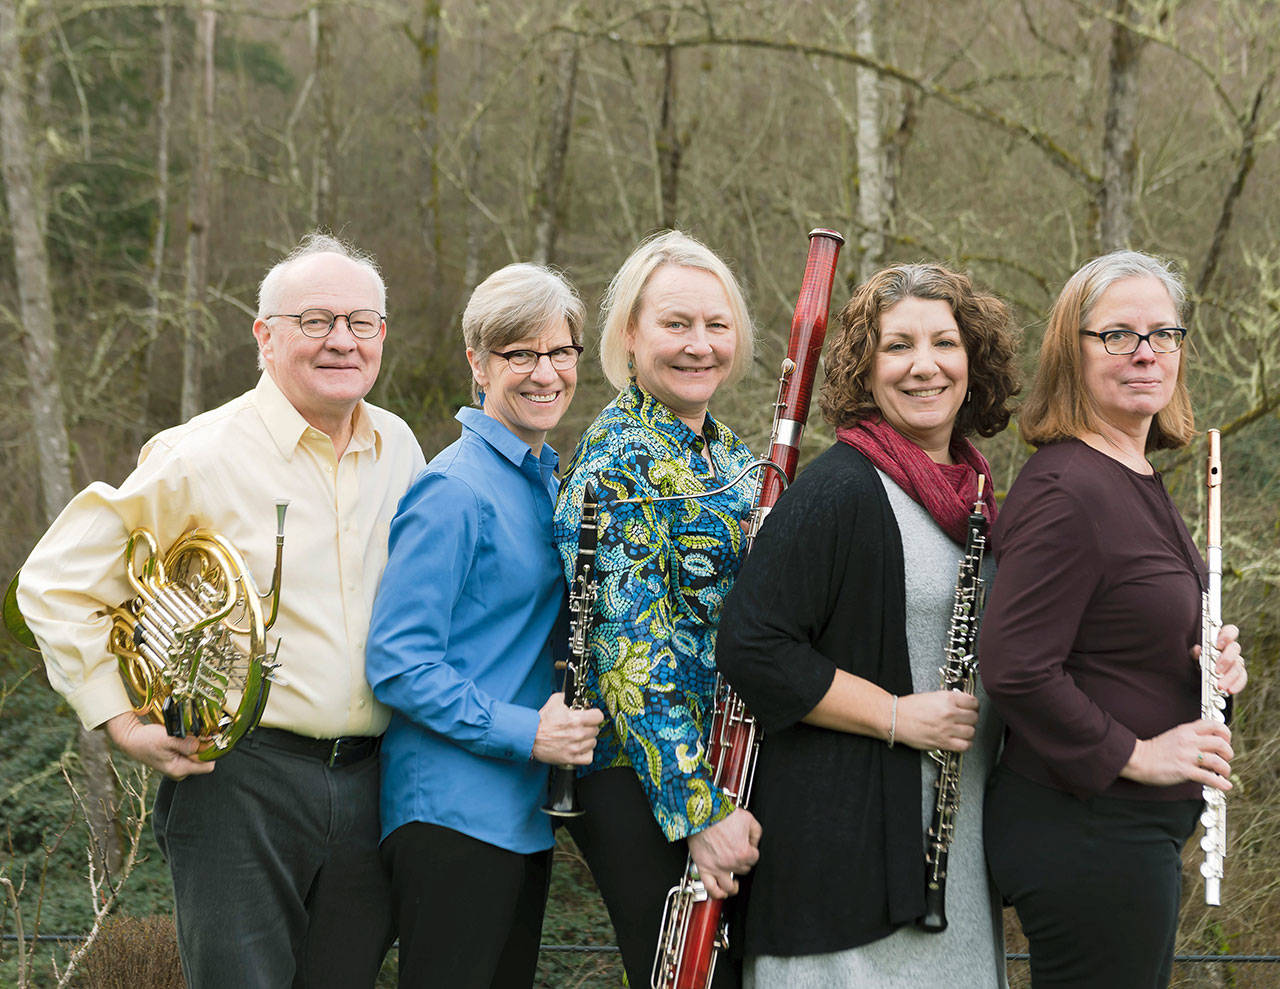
<point x="920" y="373"/>
<point x="682" y="341"/>
<point x="532" y="403"/>
<point x="323" y="378"/>
<point x="1128" y="391"/>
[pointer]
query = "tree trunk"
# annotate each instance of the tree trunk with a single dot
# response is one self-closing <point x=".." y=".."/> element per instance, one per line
<point x="872" y="191"/>
<point x="428" y="45"/>
<point x="25" y="198"/>
<point x="196" y="283"/>
<point x="160" y="234"/>
<point x="323" y="208"/>
<point x="669" y="147"/>
<point x="550" y="211"/>
<point x="475" y="218"/>
<point x="1119" y="139"/>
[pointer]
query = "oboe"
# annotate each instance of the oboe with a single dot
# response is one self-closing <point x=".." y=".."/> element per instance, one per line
<point x="959" y="672"/>
<point x="1213" y="701"/>
<point x="692" y="932"/>
<point x="562" y="799"/>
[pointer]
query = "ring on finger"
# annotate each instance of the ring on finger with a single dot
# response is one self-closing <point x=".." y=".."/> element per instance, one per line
<point x="1199" y="757"/>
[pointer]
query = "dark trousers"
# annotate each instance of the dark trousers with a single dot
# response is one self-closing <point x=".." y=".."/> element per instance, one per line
<point x="276" y="875"/>
<point x="634" y="865"/>
<point x="469" y="913"/>
<point x="1096" y="883"/>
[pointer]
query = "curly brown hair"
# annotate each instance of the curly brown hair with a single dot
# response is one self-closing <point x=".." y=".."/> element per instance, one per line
<point x="989" y="337"/>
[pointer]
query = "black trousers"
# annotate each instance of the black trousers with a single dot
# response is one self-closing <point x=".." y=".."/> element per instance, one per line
<point x="276" y="875"/>
<point x="469" y="913"/>
<point x="634" y="865"/>
<point x="1096" y="883"/>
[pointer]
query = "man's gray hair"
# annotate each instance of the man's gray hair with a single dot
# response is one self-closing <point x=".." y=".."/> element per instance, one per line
<point x="316" y="242"/>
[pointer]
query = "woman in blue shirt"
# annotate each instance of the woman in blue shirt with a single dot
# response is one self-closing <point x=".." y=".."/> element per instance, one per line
<point x="675" y="328"/>
<point x="460" y="647"/>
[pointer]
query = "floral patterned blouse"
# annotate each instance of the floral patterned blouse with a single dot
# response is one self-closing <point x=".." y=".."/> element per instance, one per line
<point x="663" y="573"/>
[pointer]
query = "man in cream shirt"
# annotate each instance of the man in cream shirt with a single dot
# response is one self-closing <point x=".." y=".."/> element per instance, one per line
<point x="273" y="847"/>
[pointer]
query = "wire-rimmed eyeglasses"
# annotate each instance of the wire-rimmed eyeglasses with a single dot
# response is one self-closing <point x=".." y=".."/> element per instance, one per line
<point x="364" y="323"/>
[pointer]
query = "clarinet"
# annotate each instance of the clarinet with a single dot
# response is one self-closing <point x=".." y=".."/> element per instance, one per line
<point x="562" y="797"/>
<point x="1213" y="701"/>
<point x="693" y="933"/>
<point x="959" y="672"/>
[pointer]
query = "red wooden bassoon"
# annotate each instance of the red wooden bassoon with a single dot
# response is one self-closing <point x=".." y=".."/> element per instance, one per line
<point x="692" y="929"/>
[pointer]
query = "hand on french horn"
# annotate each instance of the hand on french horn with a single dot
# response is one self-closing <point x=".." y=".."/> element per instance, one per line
<point x="727" y="848"/>
<point x="155" y="747"/>
<point x="1230" y="667"/>
<point x="566" y="737"/>
<point x="1197" y="751"/>
<point x="939" y="719"/>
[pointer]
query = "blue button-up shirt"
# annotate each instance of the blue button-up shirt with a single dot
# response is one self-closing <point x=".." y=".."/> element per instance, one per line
<point x="460" y="645"/>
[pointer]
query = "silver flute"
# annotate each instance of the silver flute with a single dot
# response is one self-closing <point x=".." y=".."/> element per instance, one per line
<point x="1213" y="701"/>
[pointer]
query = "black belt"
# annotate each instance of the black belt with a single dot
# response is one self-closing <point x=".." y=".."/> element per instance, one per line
<point x="343" y="751"/>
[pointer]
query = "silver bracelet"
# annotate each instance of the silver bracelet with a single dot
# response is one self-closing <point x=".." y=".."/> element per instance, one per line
<point x="893" y="720"/>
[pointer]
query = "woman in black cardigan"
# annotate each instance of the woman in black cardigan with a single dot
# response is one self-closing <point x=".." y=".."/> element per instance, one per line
<point x="835" y="646"/>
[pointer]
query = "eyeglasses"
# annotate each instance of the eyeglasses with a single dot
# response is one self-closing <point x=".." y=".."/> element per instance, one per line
<point x="524" y="361"/>
<point x="1121" y="343"/>
<point x="364" y="323"/>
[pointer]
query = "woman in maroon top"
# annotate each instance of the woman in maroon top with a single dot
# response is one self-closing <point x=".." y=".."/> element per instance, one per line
<point x="1089" y="647"/>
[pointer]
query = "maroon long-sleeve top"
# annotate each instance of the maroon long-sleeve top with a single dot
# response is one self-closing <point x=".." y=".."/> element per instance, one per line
<point x="1087" y="637"/>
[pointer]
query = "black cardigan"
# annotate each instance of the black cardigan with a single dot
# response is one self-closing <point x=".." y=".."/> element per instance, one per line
<point x="841" y="856"/>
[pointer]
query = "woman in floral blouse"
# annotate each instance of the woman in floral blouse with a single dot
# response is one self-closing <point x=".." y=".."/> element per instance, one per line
<point x="675" y="328"/>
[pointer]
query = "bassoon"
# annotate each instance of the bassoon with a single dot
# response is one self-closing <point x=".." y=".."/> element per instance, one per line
<point x="693" y="932"/>
<point x="1213" y="701"/>
<point x="959" y="672"/>
<point x="562" y="799"/>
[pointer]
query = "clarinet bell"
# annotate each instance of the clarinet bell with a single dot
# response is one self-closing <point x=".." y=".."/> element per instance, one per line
<point x="562" y="794"/>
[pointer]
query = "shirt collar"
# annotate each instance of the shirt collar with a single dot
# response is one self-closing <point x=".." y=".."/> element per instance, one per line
<point x="286" y="426"/>
<point x="659" y="417"/>
<point x="507" y="443"/>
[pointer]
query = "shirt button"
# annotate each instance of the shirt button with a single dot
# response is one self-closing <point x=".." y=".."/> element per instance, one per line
<point x="360" y="702"/>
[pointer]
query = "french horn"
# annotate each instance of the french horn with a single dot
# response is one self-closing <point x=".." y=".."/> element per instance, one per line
<point x="191" y="642"/>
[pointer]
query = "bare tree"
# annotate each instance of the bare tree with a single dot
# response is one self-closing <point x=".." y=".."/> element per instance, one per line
<point x="1119" y="136"/>
<point x="198" y="217"/>
<point x="873" y="198"/>
<point x="25" y="193"/>
<point x="549" y="212"/>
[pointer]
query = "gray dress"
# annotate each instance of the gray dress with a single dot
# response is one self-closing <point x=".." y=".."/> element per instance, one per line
<point x="969" y="954"/>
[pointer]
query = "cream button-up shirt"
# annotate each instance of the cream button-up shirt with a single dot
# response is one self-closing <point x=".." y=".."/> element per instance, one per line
<point x="225" y="470"/>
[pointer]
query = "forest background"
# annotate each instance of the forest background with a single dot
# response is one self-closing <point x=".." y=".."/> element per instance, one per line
<point x="158" y="157"/>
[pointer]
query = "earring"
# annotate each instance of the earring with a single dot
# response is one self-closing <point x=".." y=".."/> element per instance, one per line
<point x="480" y="396"/>
<point x="631" y="368"/>
<point x="967" y="396"/>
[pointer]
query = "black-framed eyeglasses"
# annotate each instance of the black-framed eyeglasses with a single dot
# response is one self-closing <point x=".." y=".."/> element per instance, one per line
<point x="524" y="361"/>
<point x="364" y="323"/>
<point x="1121" y="343"/>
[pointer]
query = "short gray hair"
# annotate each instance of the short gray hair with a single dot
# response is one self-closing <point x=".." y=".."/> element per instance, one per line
<point x="1101" y="273"/>
<point x="519" y="301"/>
<point x="622" y="301"/>
<point x="317" y="242"/>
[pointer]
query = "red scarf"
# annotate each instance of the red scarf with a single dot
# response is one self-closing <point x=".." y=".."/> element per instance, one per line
<point x="946" y="491"/>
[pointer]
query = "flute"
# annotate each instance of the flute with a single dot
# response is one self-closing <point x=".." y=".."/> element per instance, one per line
<point x="1213" y="701"/>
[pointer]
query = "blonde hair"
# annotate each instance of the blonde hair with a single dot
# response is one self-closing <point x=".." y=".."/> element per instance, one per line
<point x="1059" y="405"/>
<point x="622" y="301"/>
